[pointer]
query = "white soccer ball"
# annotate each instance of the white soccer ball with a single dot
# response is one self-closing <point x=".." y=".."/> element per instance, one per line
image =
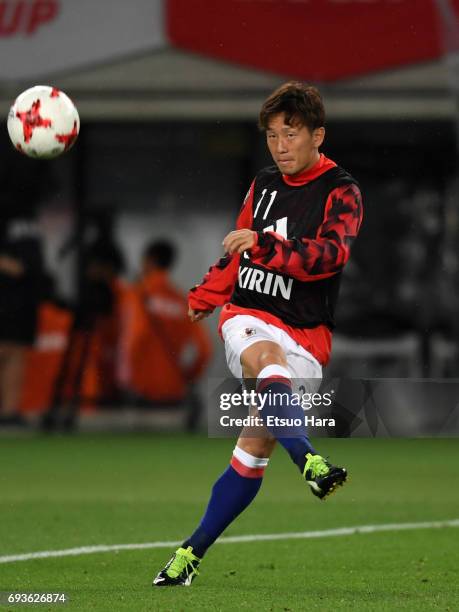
<point x="43" y="122"/>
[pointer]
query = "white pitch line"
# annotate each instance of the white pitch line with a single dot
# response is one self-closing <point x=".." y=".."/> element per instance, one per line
<point x="268" y="537"/>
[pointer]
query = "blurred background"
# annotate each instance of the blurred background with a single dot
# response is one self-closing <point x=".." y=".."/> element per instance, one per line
<point x="99" y="247"/>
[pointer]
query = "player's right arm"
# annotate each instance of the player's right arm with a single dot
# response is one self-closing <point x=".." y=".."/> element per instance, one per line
<point x="218" y="284"/>
<point x="307" y="259"/>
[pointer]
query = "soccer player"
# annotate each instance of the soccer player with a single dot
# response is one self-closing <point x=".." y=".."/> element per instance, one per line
<point x="278" y="284"/>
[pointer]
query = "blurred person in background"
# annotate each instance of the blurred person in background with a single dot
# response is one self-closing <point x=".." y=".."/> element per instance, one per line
<point x="100" y="317"/>
<point x="278" y="284"/>
<point x="92" y="370"/>
<point x="21" y="271"/>
<point x="44" y="360"/>
<point x="168" y="354"/>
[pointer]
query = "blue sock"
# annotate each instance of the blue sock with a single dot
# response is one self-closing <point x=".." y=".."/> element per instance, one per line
<point x="276" y="380"/>
<point x="231" y="494"/>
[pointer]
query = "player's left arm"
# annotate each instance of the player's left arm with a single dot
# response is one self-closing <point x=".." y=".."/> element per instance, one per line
<point x="218" y="284"/>
<point x="308" y="259"/>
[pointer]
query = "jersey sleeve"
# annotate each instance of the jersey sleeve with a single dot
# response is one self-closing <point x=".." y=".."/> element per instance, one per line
<point x="309" y="259"/>
<point x="218" y="284"/>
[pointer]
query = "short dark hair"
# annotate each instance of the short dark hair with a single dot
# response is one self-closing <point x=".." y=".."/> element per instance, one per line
<point x="162" y="253"/>
<point x="301" y="104"/>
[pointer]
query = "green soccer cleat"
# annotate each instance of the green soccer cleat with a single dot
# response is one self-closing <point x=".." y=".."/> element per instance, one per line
<point x="180" y="570"/>
<point x="323" y="477"/>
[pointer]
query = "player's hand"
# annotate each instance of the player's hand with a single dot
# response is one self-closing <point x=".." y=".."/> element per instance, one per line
<point x="198" y="315"/>
<point x="239" y="241"/>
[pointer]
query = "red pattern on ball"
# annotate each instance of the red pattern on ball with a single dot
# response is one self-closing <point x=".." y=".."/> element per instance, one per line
<point x="68" y="139"/>
<point x="32" y="119"/>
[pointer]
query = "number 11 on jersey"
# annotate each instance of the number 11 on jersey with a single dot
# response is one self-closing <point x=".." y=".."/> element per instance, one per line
<point x="273" y="195"/>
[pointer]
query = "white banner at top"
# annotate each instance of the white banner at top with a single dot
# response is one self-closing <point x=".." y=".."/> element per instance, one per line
<point x="42" y="37"/>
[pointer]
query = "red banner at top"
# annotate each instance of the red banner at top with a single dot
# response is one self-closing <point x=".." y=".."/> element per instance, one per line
<point x="321" y="40"/>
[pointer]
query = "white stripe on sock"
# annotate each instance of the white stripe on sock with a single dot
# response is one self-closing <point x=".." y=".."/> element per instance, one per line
<point x="273" y="370"/>
<point x="249" y="460"/>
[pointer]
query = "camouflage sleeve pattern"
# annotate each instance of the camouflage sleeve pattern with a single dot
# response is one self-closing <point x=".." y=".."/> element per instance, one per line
<point x="217" y="285"/>
<point x="308" y="259"/>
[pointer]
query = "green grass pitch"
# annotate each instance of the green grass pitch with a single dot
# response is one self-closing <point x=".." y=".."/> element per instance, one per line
<point x="63" y="492"/>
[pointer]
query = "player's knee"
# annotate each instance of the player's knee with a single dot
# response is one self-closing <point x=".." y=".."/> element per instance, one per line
<point x="257" y="447"/>
<point x="253" y="361"/>
<point x="254" y="366"/>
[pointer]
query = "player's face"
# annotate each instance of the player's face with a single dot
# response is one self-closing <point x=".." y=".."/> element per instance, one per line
<point x="294" y="147"/>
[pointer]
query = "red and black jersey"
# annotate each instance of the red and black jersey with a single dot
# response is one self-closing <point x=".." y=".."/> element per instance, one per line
<point x="294" y="271"/>
<point x="305" y="227"/>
